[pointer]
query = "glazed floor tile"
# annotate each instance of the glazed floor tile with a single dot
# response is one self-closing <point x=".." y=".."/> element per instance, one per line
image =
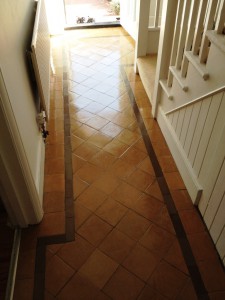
<point x="125" y="243"/>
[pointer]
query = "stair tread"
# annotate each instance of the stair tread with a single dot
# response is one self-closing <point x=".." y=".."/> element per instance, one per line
<point x="181" y="80"/>
<point x="200" y="67"/>
<point x="147" y="69"/>
<point x="217" y="39"/>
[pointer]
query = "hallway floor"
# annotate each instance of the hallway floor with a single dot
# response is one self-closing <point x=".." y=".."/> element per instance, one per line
<point x="137" y="234"/>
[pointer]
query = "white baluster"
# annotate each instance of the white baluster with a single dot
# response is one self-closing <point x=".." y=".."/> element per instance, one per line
<point x="183" y="33"/>
<point x="141" y="45"/>
<point x="165" y="44"/>
<point x="221" y="18"/>
<point x="190" y="35"/>
<point x="157" y="9"/>
<point x="175" y="40"/>
<point x="199" y="26"/>
<point x="203" y="54"/>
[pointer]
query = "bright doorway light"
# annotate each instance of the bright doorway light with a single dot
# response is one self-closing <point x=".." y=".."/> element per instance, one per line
<point x="91" y="11"/>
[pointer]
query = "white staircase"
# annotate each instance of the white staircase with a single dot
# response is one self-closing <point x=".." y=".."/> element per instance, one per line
<point x="189" y="102"/>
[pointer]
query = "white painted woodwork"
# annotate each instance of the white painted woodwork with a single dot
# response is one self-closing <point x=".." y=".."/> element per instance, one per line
<point x="200" y="67"/>
<point x="149" y="22"/>
<point x="173" y="71"/>
<point x="216" y="39"/>
<point x="175" y="40"/>
<point x="180" y="121"/>
<point x="186" y="121"/>
<point x="15" y="32"/>
<point x="165" y="44"/>
<point x="207" y="136"/>
<point x="193" y="121"/>
<point x="190" y="35"/>
<point x="183" y="33"/>
<point x="189" y="102"/>
<point x="166" y="89"/>
<point x="192" y="126"/>
<point x="40" y="53"/>
<point x="195" y="133"/>
<point x="215" y="136"/>
<point x="153" y="40"/>
<point x="210" y="17"/>
<point x="180" y="157"/>
<point x="18" y="189"/>
<point x="214" y="214"/>
<point x="155" y="13"/>
<point x="146" y="69"/>
<point x="196" y="136"/>
<point x="221" y="18"/>
<point x="199" y="27"/>
<point x="142" y="30"/>
<point x="128" y="16"/>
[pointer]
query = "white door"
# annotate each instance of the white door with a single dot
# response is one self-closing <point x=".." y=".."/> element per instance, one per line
<point x="128" y="16"/>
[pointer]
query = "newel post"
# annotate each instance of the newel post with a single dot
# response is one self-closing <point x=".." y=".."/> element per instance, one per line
<point x="164" y="50"/>
<point x="143" y="7"/>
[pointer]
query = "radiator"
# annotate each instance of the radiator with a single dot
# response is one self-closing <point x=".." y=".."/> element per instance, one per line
<point x="40" y="54"/>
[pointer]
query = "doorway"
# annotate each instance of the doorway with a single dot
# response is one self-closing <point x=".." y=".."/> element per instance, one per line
<point x="81" y="13"/>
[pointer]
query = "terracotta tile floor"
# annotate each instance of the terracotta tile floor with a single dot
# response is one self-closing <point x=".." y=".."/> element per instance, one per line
<point x="125" y="244"/>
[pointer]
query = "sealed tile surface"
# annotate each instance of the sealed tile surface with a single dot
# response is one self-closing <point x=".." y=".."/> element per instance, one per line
<point x="128" y="197"/>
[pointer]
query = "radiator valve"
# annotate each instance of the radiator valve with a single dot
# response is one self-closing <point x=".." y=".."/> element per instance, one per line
<point x="41" y="120"/>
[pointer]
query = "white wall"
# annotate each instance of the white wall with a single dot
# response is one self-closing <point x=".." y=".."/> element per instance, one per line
<point x="15" y="36"/>
<point x="128" y="16"/>
<point x="153" y="40"/>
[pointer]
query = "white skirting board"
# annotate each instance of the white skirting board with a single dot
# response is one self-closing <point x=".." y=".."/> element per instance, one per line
<point x="187" y="174"/>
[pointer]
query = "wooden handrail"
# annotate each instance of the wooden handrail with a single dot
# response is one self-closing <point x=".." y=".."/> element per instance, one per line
<point x="210" y="94"/>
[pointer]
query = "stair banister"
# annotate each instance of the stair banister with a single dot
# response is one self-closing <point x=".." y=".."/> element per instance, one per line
<point x="210" y="94"/>
<point x="203" y="54"/>
<point x="221" y="18"/>
<point x="183" y="33"/>
<point x="199" y="27"/>
<point x="175" y="40"/>
<point x="190" y="35"/>
<point x="157" y="9"/>
<point x="143" y="8"/>
<point x="165" y="44"/>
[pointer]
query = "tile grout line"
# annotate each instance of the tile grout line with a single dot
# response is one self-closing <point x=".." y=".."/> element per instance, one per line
<point x="69" y="235"/>
<point x="193" y="269"/>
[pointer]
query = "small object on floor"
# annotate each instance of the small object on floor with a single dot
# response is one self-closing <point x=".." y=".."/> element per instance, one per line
<point x="80" y="20"/>
<point x="90" y="20"/>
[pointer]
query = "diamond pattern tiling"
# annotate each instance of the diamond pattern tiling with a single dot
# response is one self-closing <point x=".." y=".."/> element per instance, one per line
<point x="111" y="211"/>
<point x="133" y="225"/>
<point x="141" y="262"/>
<point x="168" y="280"/>
<point x="117" y="245"/>
<point x="92" y="198"/>
<point x="94" y="230"/>
<point x="98" y="268"/>
<point x="125" y="246"/>
<point x="123" y="285"/>
<point x="57" y="274"/>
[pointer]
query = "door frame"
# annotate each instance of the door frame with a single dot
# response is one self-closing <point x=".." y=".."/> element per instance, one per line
<point x="17" y="186"/>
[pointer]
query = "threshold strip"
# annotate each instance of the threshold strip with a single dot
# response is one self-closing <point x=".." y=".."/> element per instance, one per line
<point x="69" y="235"/>
<point x="189" y="258"/>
